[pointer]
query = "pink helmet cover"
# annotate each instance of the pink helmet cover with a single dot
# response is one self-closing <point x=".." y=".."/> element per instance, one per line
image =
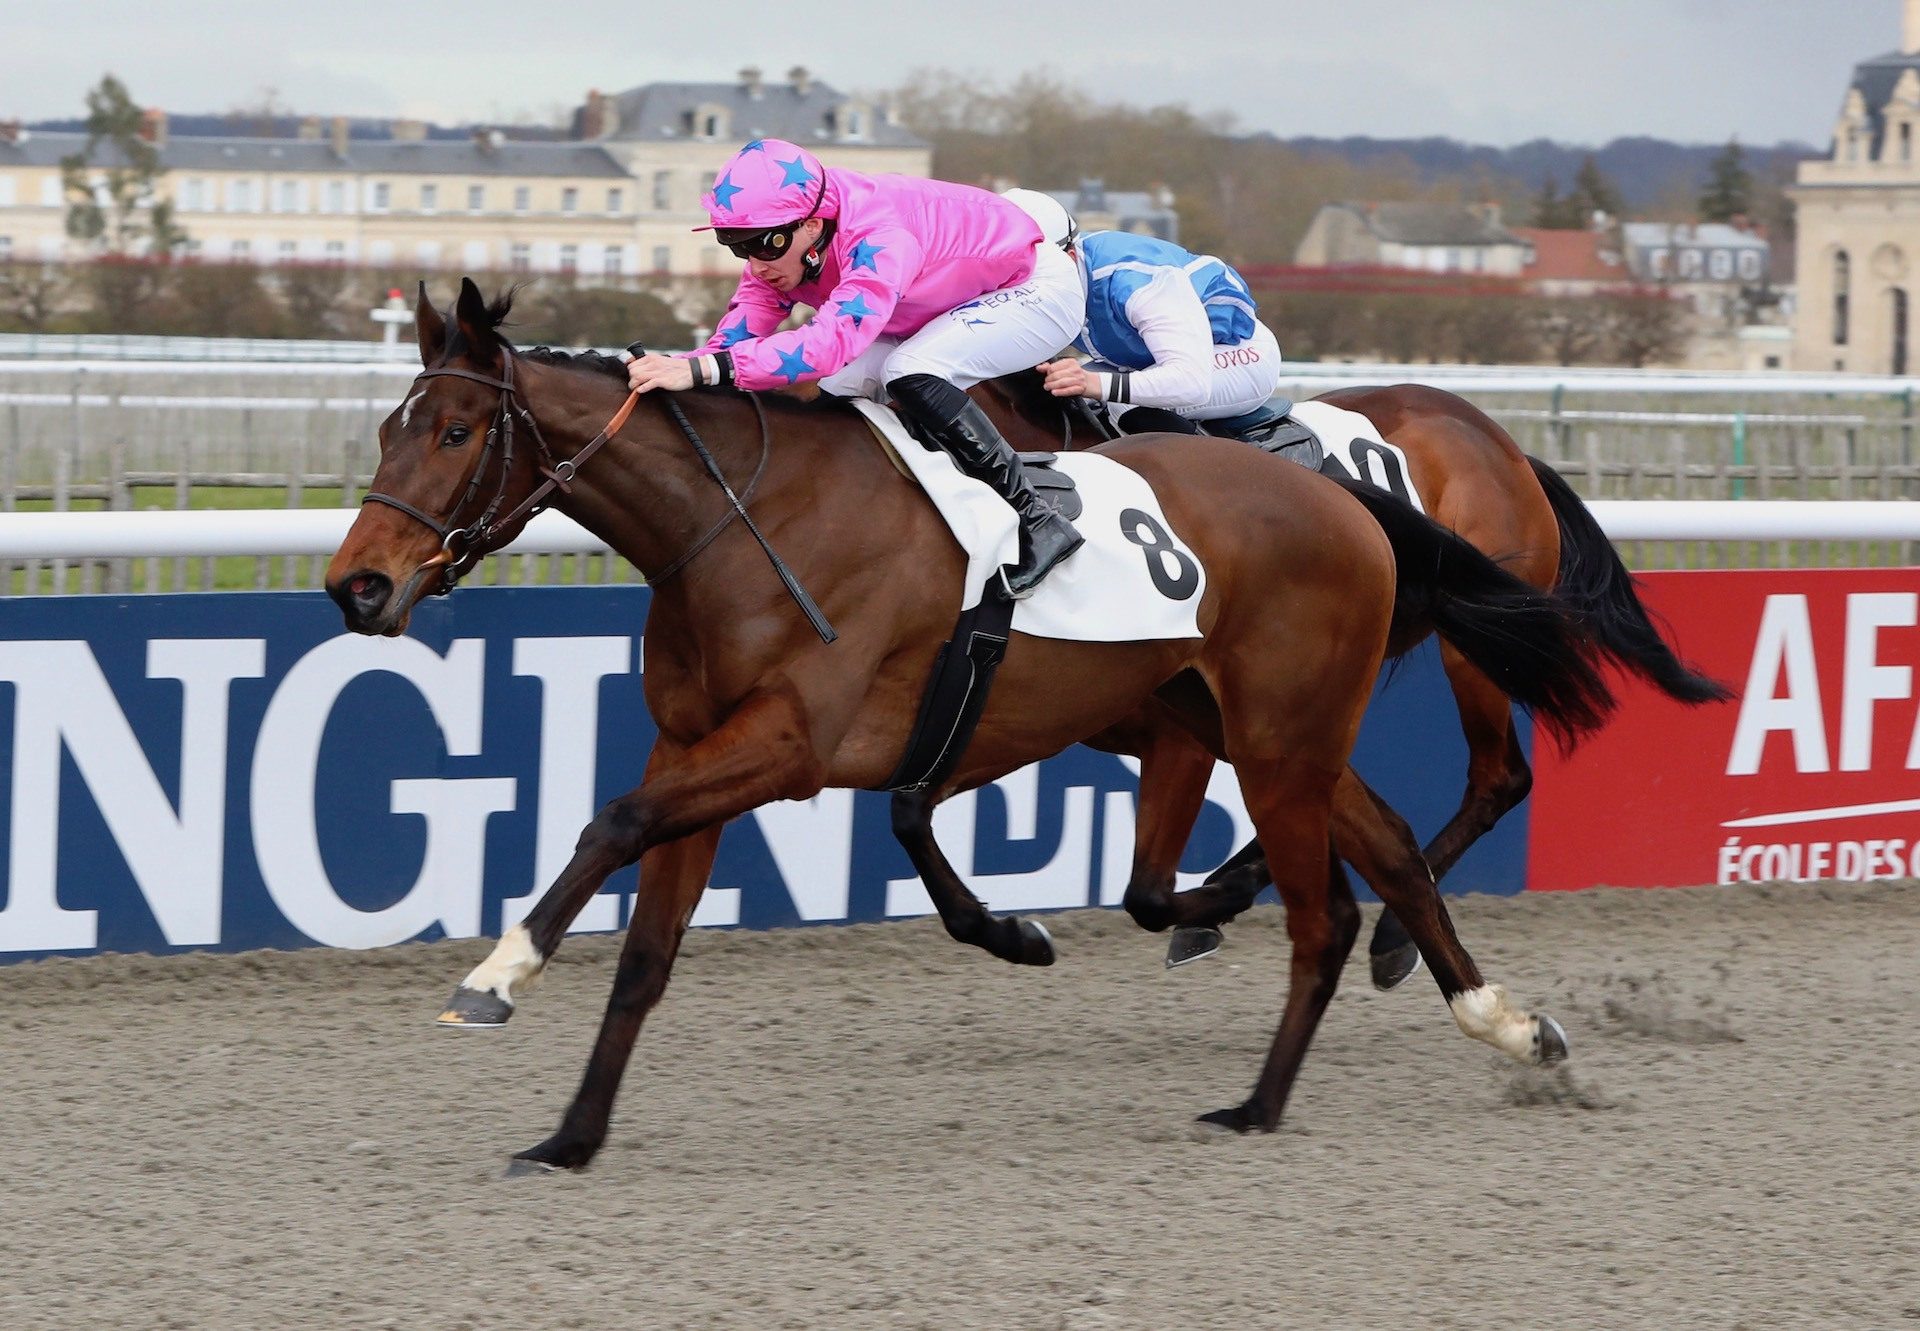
<point x="768" y="183"/>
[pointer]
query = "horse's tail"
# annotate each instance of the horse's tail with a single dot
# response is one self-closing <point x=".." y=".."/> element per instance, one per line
<point x="1597" y="585"/>
<point x="1526" y="641"/>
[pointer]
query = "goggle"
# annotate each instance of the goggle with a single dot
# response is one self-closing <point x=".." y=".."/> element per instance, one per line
<point x="765" y="246"/>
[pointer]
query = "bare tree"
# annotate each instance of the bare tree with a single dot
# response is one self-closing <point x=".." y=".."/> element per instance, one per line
<point x="1644" y="325"/>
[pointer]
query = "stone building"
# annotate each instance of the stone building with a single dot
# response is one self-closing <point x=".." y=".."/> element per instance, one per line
<point x="1858" y="249"/>
<point x="618" y="198"/>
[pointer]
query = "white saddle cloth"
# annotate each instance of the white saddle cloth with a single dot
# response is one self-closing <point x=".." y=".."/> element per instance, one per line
<point x="1133" y="580"/>
<point x="1357" y="446"/>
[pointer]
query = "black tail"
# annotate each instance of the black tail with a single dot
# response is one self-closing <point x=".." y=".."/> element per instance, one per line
<point x="1597" y="585"/>
<point x="1525" y="640"/>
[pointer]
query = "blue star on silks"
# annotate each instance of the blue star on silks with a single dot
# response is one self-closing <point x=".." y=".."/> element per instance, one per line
<point x="796" y="172"/>
<point x="757" y="146"/>
<point x="723" y="192"/>
<point x="864" y="254"/>
<point x="793" y="364"/>
<point x="857" y="308"/>
<point x="731" y="334"/>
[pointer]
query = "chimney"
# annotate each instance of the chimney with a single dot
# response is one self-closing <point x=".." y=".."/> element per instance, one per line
<point x="488" y="140"/>
<point x="750" y="81"/>
<point x="310" y="129"/>
<point x="11" y="133"/>
<point x="153" y="126"/>
<point x="408" y="131"/>
<point x="800" y="79"/>
<point x="340" y="136"/>
<point x="1910" y="34"/>
<point x="1487" y="212"/>
<point x="594" y="117"/>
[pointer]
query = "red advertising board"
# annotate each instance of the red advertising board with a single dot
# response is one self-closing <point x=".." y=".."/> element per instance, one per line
<point x="1814" y="773"/>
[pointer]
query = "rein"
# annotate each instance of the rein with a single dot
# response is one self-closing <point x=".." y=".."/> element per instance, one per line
<point x="473" y="539"/>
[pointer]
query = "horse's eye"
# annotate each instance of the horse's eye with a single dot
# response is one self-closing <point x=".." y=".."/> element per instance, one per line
<point x="455" y="436"/>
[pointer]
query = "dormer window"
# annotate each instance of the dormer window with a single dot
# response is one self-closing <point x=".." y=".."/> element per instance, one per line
<point x="708" y="121"/>
<point x="849" y="120"/>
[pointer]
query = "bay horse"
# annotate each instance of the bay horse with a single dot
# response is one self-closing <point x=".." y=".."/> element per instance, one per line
<point x="1305" y="586"/>
<point x="1474" y="479"/>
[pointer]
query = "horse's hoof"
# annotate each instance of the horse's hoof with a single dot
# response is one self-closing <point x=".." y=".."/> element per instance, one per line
<point x="1190" y="945"/>
<point x="1236" y="1119"/>
<point x="1036" y="944"/>
<point x="1553" y="1042"/>
<point x="475" y="1010"/>
<point x="521" y="1167"/>
<point x="1393" y="969"/>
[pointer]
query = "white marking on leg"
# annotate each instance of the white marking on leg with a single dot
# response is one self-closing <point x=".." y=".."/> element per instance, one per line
<point x="511" y="969"/>
<point x="1486" y="1014"/>
<point x="406" y="412"/>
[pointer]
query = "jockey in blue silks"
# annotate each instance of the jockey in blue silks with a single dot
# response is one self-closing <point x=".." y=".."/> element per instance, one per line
<point x="1169" y="329"/>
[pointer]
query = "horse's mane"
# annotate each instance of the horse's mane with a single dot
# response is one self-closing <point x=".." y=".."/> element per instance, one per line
<point x="498" y="311"/>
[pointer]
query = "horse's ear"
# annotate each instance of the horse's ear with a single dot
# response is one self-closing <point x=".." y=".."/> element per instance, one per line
<point x="432" y="327"/>
<point x="476" y="322"/>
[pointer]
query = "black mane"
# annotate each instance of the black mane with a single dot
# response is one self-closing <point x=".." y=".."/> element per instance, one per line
<point x="501" y="306"/>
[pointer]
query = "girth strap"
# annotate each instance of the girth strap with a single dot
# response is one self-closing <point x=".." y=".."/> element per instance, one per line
<point x="957" y="690"/>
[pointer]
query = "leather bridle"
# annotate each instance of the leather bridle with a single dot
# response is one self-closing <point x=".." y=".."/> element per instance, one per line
<point x="463" y="546"/>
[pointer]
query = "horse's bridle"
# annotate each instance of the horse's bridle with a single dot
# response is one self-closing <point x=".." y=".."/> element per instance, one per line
<point x="559" y="473"/>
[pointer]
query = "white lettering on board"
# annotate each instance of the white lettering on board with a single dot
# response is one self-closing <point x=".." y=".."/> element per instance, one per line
<point x="1784" y="642"/>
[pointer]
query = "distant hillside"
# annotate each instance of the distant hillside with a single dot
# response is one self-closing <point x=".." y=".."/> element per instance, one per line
<point x="1649" y="172"/>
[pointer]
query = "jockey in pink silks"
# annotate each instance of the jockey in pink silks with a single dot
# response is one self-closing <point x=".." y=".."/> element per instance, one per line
<point x="920" y="289"/>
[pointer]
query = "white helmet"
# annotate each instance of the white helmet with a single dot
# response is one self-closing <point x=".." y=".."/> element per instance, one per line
<point x="1056" y="223"/>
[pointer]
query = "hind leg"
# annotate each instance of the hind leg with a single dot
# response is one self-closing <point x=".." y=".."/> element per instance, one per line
<point x="1023" y="942"/>
<point x="1378" y="843"/>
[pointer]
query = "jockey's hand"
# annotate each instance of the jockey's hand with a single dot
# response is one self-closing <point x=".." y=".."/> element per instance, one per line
<point x="1067" y="377"/>
<point x="651" y="371"/>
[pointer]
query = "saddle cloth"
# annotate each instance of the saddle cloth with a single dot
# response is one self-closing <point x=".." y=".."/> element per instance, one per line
<point x="1133" y="580"/>
<point x="1354" y="446"/>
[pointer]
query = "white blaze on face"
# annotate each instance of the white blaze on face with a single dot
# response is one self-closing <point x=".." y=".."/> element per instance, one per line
<point x="406" y="412"/>
<point x="1487" y="1015"/>
<point x="510" y="969"/>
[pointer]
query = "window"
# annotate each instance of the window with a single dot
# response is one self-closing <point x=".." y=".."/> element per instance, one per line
<point x="289" y="251"/>
<point x="1898" y="298"/>
<point x="569" y="200"/>
<point x="242" y="251"/>
<point x="336" y="251"/>
<point x="427" y="254"/>
<point x="710" y="125"/>
<point x="615" y="199"/>
<point x="1842" y="276"/>
<point x="6" y="248"/>
<point x="194" y="247"/>
<point x="610" y="262"/>
<point x="1906" y="141"/>
<point x="1750" y="265"/>
<point x="240" y="196"/>
<point x="569" y="258"/>
<point x="522" y="198"/>
<point x="382" y="196"/>
<point x="288" y="198"/>
<point x="193" y="195"/>
<point x="1720" y="265"/>
<point x="662" y="258"/>
<point x="50" y="191"/>
<point x="519" y="256"/>
<point x="476" y="198"/>
<point x="429" y="198"/>
<point x="856" y="124"/>
<point x="662" y="189"/>
<point x="336" y="196"/>
<point x="380" y="252"/>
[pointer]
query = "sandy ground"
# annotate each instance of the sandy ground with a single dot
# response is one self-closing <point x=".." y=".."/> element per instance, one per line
<point x="872" y="1127"/>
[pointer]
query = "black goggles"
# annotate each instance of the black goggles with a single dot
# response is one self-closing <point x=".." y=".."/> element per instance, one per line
<point x="765" y="246"/>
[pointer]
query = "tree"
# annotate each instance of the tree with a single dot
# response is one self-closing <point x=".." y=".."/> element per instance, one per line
<point x="1553" y="211"/>
<point x="113" y="197"/>
<point x="1644" y="324"/>
<point x="31" y="294"/>
<point x="1594" y="193"/>
<point x="1571" y="331"/>
<point x="1729" y="192"/>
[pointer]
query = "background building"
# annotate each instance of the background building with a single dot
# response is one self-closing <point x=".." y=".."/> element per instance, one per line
<point x="617" y="198"/>
<point x="1433" y="237"/>
<point x="1858" y="223"/>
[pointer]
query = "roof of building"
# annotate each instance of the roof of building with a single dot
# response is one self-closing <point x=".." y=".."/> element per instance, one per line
<point x="800" y="113"/>
<point x="1432" y="223"/>
<point x="1145" y="212"/>
<point x="1692" y="235"/>
<point x="1875" y="80"/>
<point x="465" y="157"/>
<point x="1570" y="256"/>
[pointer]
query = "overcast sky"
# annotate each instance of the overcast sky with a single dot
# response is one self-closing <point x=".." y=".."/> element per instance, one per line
<point x="1492" y="71"/>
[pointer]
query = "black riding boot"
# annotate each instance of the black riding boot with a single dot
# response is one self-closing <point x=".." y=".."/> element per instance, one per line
<point x="1156" y="420"/>
<point x="964" y="431"/>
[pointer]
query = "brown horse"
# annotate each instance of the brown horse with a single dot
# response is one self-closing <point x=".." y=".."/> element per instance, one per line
<point x="1304" y="587"/>
<point x="1474" y="479"/>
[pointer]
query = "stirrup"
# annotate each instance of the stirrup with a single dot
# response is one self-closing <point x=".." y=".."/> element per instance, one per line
<point x="1006" y="587"/>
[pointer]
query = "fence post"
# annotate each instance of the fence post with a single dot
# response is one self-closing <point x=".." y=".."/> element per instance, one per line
<point x="119" y="500"/>
<point x="1555" y="423"/>
<point x="1740" y="453"/>
<point x="9" y="484"/>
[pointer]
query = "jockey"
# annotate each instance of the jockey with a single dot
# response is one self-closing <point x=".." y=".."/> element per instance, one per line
<point x="921" y="290"/>
<point x="1166" y="329"/>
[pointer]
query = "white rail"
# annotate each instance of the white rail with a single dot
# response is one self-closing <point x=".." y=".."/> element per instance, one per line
<point x="196" y="533"/>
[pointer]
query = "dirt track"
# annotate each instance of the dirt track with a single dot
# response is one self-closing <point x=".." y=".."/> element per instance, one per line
<point x="872" y="1127"/>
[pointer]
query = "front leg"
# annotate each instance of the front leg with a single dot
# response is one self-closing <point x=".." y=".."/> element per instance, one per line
<point x="1023" y="942"/>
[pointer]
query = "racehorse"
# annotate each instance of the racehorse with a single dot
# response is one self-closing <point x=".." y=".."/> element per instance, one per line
<point x="755" y="702"/>
<point x="1474" y="479"/>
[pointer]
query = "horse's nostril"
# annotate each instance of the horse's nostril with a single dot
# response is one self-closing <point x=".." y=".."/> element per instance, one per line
<point x="360" y="585"/>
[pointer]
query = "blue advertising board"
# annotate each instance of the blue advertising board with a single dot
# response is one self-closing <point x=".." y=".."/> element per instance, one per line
<point x="234" y="771"/>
